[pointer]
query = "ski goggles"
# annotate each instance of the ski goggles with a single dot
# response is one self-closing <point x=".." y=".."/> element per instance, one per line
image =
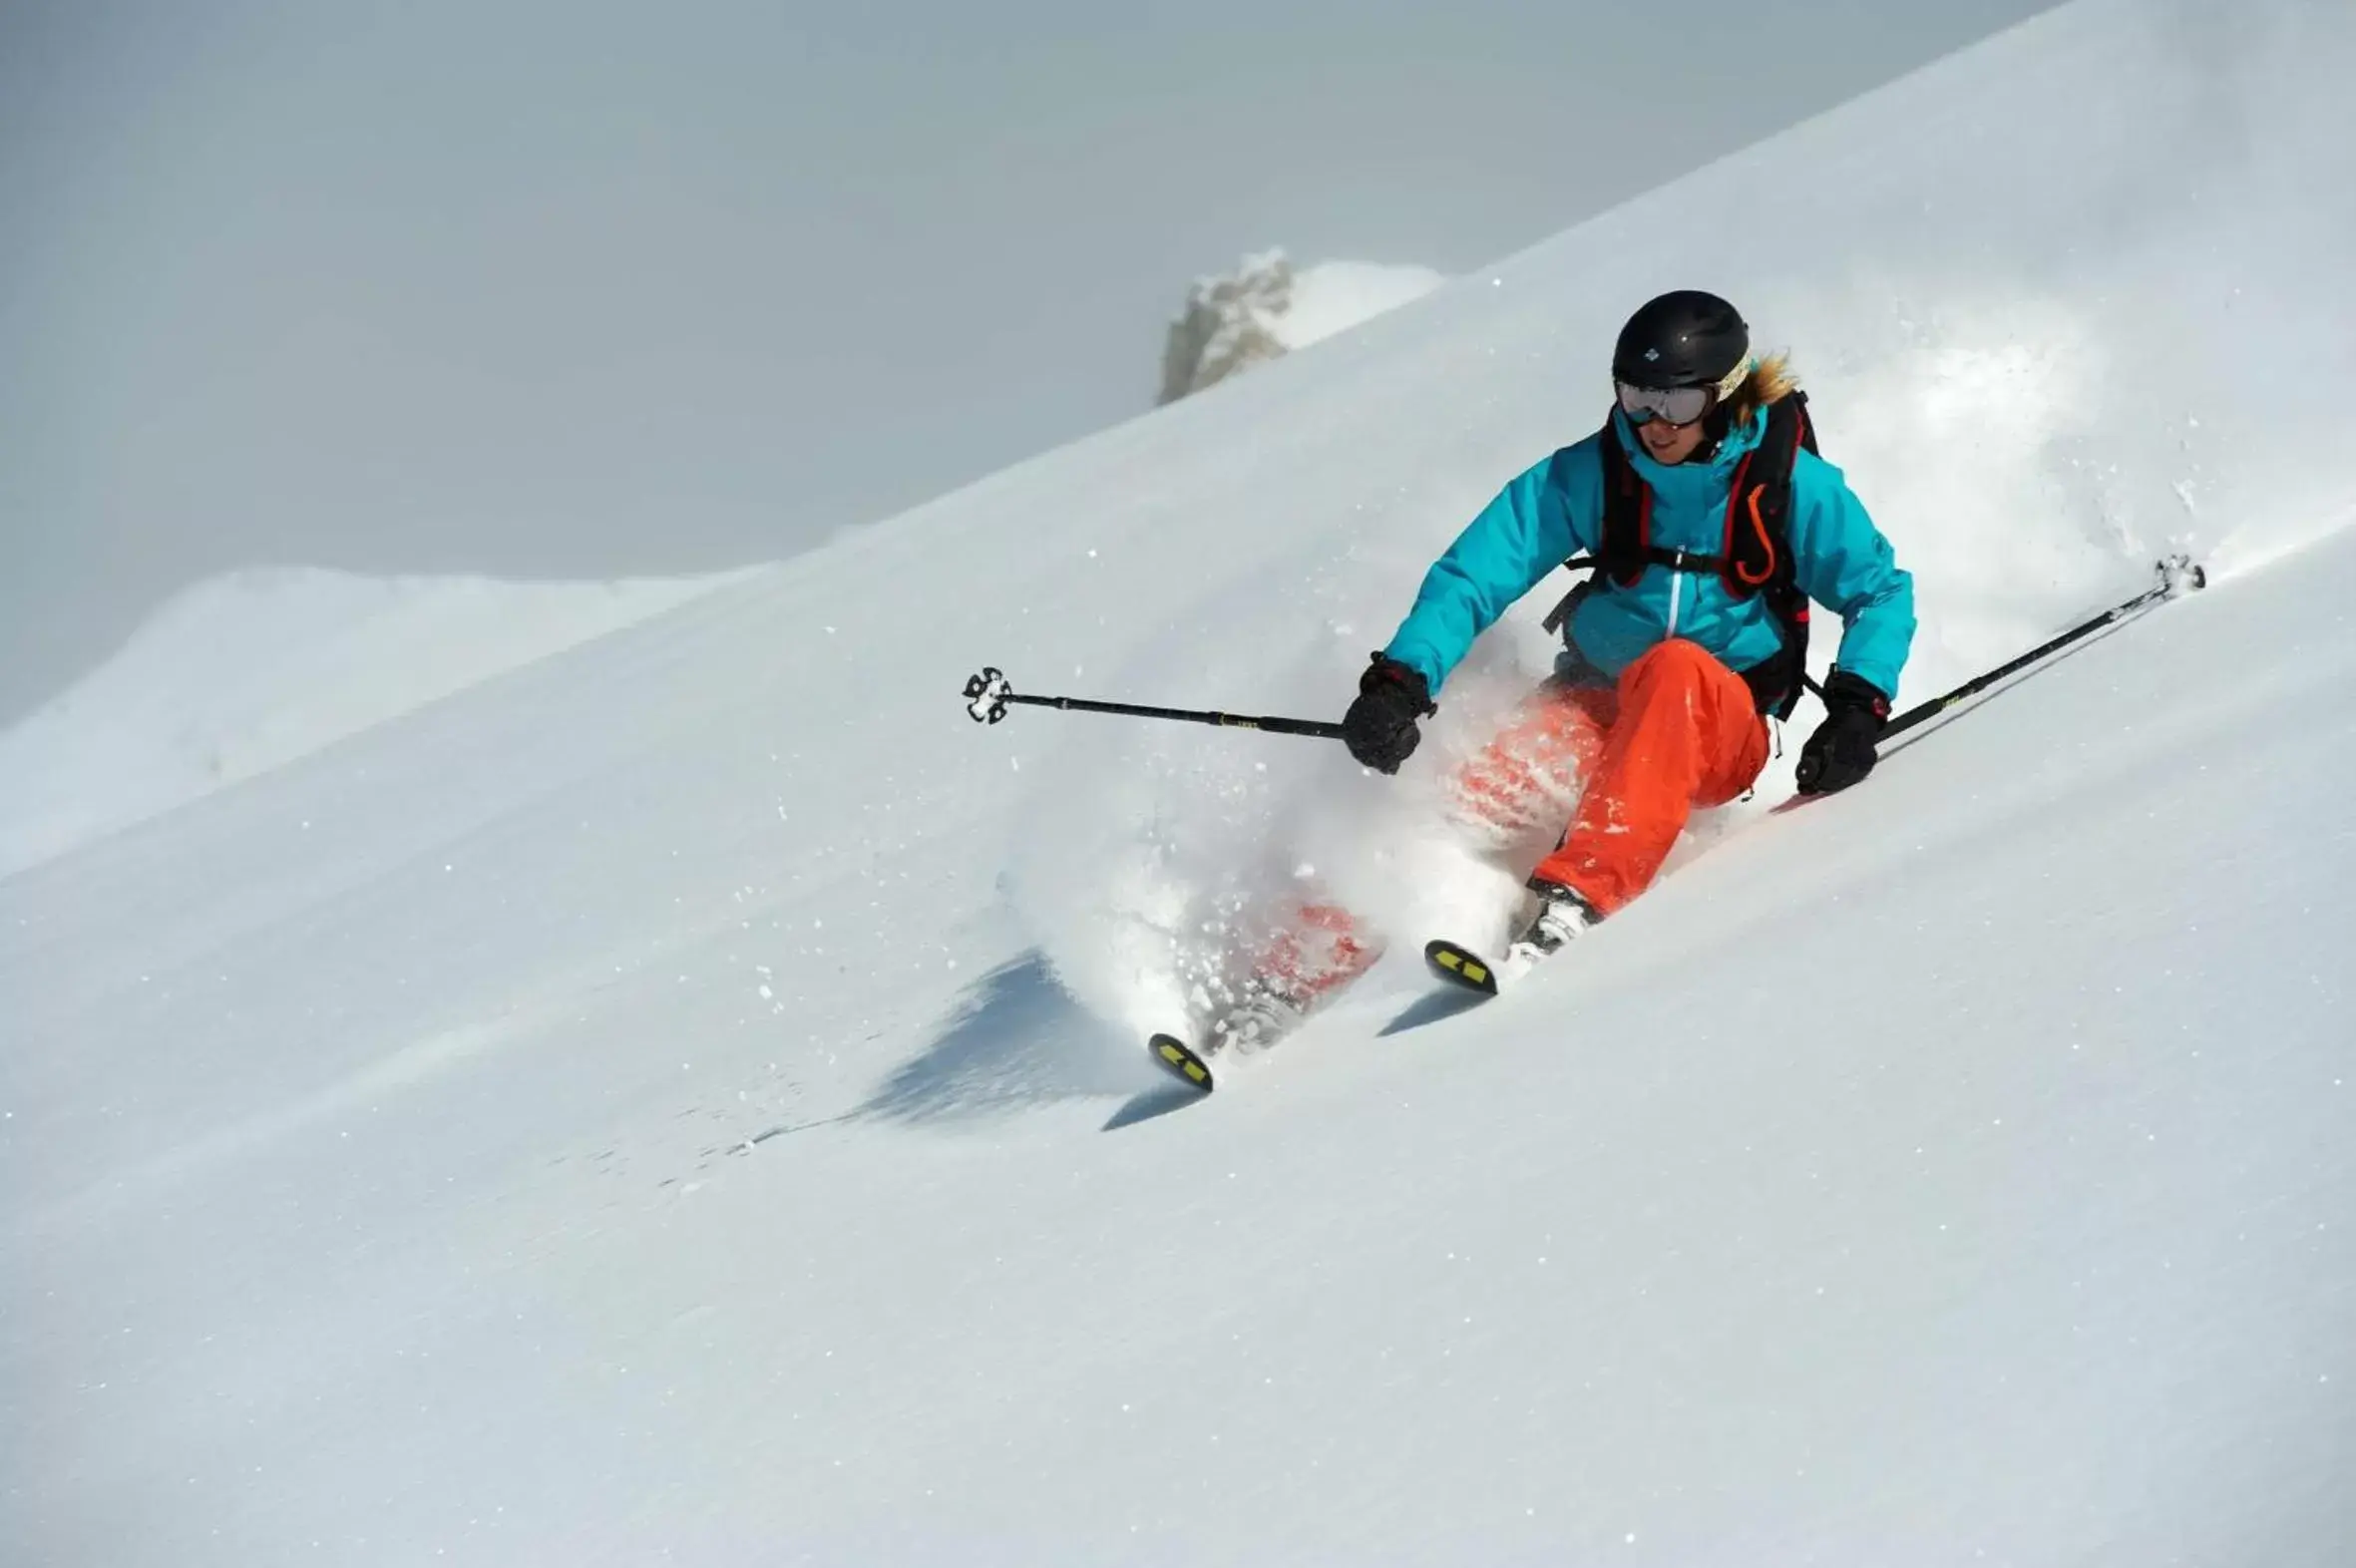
<point x="1676" y="405"/>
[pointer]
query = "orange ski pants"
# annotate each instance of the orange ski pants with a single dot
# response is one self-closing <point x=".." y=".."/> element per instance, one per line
<point x="1679" y="730"/>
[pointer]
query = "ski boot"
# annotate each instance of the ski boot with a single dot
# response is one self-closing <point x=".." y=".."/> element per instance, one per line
<point x="1562" y="914"/>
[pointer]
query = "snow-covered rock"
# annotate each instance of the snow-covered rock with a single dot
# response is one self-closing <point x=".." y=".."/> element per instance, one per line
<point x="1267" y="307"/>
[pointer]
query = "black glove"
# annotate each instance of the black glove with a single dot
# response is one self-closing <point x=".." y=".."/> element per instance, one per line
<point x="1841" y="752"/>
<point x="1379" y="728"/>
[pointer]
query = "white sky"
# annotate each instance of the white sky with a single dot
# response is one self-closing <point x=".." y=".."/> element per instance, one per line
<point x="592" y="290"/>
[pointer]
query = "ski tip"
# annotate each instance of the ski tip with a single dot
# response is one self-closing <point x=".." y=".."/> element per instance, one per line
<point x="1179" y="1060"/>
<point x="1462" y="966"/>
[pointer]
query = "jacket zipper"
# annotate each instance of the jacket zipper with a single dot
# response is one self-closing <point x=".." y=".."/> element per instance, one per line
<point x="1675" y="589"/>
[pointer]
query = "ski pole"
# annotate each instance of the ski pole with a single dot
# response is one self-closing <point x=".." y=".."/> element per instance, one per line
<point x="988" y="694"/>
<point x="2178" y="575"/>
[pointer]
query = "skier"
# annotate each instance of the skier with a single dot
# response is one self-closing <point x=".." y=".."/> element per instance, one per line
<point x="1712" y="522"/>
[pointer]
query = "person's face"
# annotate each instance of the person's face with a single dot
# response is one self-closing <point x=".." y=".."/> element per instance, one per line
<point x="1668" y="443"/>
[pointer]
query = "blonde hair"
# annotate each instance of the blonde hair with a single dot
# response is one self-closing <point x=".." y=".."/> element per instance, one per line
<point x="1769" y="382"/>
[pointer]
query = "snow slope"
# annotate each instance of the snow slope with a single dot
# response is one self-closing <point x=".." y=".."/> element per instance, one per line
<point x="639" y="1110"/>
<point x="246" y="672"/>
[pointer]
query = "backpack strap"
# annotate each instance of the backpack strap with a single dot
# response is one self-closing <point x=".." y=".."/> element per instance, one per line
<point x="1758" y="549"/>
<point x="1757" y="553"/>
<point x="1626" y="514"/>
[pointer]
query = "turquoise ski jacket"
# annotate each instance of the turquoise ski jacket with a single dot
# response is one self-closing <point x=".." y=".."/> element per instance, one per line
<point x="1555" y="511"/>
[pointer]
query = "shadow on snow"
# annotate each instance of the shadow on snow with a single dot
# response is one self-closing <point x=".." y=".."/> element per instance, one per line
<point x="1147" y="1104"/>
<point x="1430" y="1009"/>
<point x="1015" y="1040"/>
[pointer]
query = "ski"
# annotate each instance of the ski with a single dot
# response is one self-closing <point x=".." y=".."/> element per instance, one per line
<point x="1462" y="966"/>
<point x="1174" y="1056"/>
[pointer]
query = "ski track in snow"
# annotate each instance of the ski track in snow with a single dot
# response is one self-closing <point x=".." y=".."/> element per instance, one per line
<point x="682" y="1099"/>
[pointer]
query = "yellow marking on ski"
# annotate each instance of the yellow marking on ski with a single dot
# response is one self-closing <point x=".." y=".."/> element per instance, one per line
<point x="1475" y="974"/>
<point x="1448" y="961"/>
<point x="1184" y="1061"/>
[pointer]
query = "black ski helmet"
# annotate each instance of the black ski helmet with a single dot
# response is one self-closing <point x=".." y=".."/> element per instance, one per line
<point x="1685" y="338"/>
